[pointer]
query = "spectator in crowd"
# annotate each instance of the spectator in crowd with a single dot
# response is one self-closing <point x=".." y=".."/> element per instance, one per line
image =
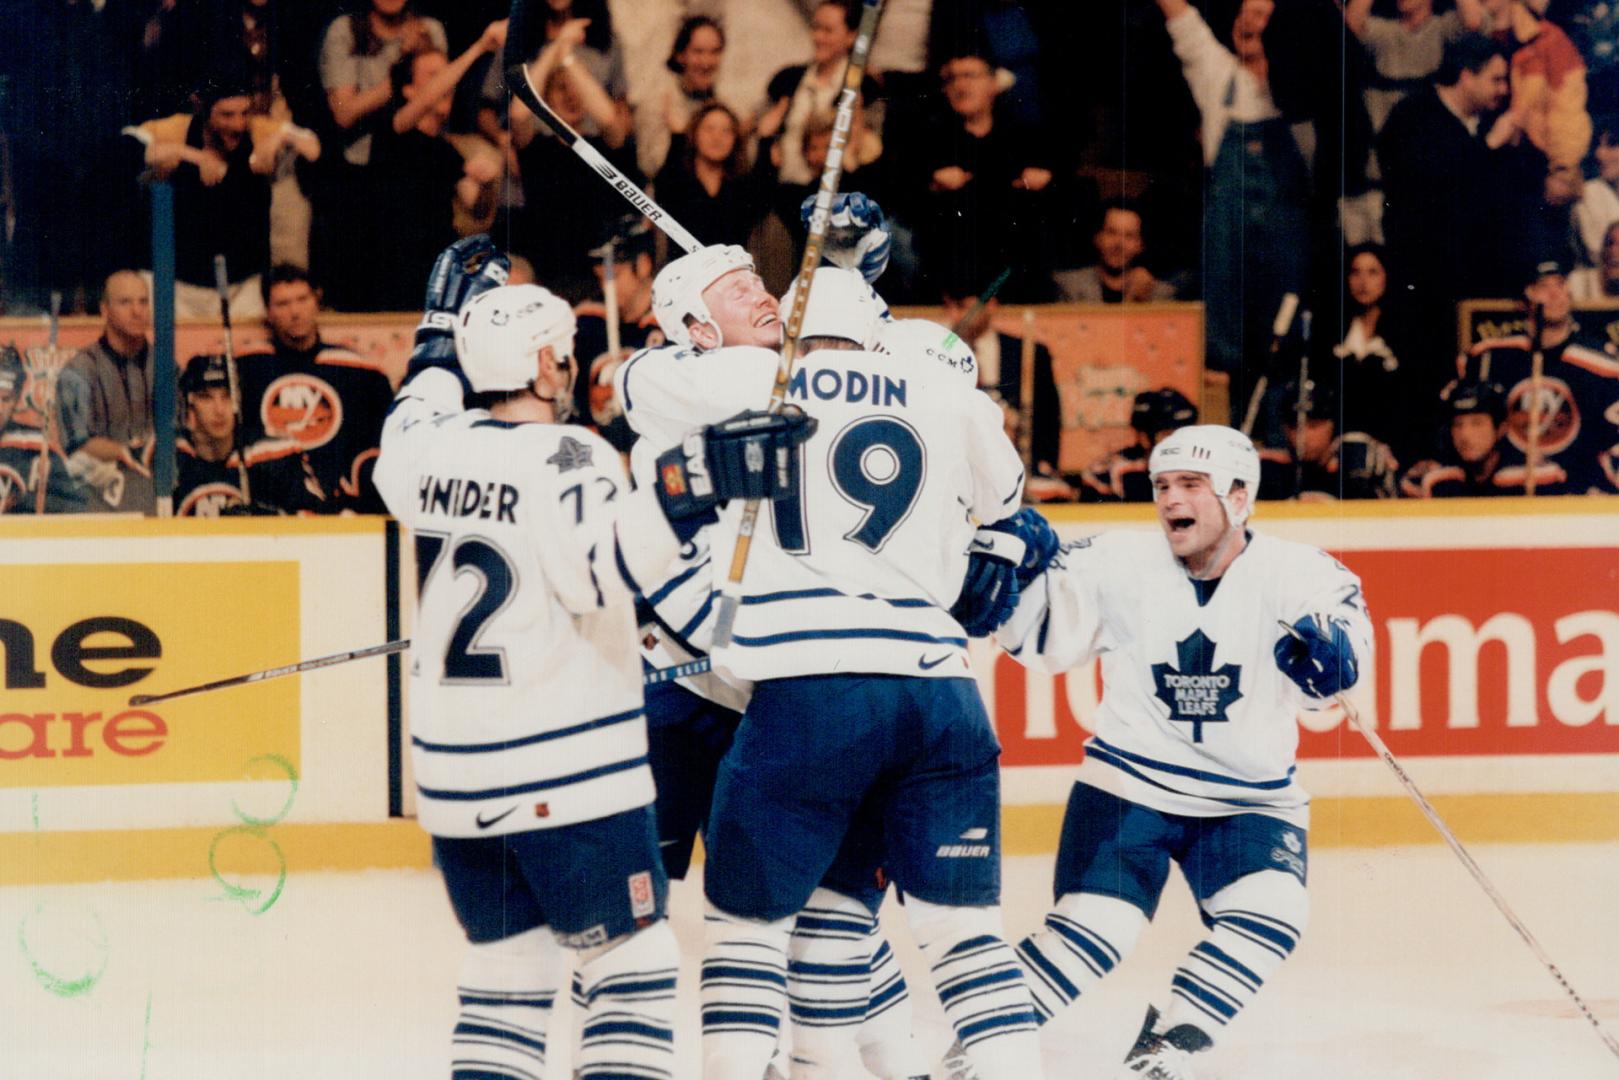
<point x="1306" y="467"/>
<point x="1122" y="476"/>
<point x="562" y="216"/>
<point x="594" y="402"/>
<point x="693" y="66"/>
<point x="1009" y="32"/>
<point x="1380" y="394"/>
<point x="1117" y="276"/>
<point x="707" y="185"/>
<point x="1256" y="188"/>
<point x="1548" y="92"/>
<point x="1598" y="207"/>
<point x="802" y="91"/>
<point x="219" y="160"/>
<point x="1475" y="458"/>
<point x="1455" y="208"/>
<point x="104" y="401"/>
<point x="210" y="462"/>
<point x="421" y="176"/>
<point x="1000" y="374"/>
<point x="1578" y="389"/>
<point x="328" y="399"/>
<point x="25" y="456"/>
<point x="1599" y="282"/>
<point x="982" y="184"/>
<point x="357" y="58"/>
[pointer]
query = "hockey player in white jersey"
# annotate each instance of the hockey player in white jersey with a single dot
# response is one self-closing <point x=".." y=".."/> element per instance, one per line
<point x="860" y="681"/>
<point x="1196" y="735"/>
<point x="712" y="306"/>
<point x="528" y="738"/>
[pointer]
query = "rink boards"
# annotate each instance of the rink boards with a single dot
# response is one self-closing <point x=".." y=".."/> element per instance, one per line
<point x="1495" y="679"/>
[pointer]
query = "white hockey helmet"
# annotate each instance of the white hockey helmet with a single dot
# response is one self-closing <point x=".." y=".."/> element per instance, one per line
<point x="677" y="291"/>
<point x="928" y="337"/>
<point x="841" y="305"/>
<point x="1225" y="455"/>
<point x="499" y="335"/>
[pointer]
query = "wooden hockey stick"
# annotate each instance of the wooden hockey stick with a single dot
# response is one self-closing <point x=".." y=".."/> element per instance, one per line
<point x="1473" y="868"/>
<point x="1537" y="369"/>
<point x="222" y="286"/>
<point x="650" y="678"/>
<point x="517" y="78"/>
<point x="820" y="219"/>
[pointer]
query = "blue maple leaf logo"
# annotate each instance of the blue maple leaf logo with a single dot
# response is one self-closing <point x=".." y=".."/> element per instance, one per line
<point x="1196" y="692"/>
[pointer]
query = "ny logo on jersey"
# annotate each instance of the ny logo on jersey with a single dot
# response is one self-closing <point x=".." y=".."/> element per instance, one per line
<point x="571" y="454"/>
<point x="1196" y="692"/>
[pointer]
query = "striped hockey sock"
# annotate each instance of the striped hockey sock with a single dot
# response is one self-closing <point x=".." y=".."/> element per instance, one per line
<point x="629" y="1019"/>
<point x="1257" y="924"/>
<point x="981" y="987"/>
<point x="887" y="1046"/>
<point x="507" y="989"/>
<point x="1085" y="937"/>
<point x="744" y="995"/>
<point x="828" y="982"/>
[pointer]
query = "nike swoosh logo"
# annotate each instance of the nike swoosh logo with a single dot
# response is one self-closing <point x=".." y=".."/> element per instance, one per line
<point x="482" y="824"/>
<point x="928" y="665"/>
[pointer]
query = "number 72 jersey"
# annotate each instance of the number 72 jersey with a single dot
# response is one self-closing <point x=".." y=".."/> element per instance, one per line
<point x="857" y="574"/>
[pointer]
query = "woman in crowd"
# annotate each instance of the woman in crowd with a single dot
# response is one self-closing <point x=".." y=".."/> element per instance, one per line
<point x="706" y="184"/>
<point x="694" y="65"/>
<point x="797" y="93"/>
<point x="1379" y="385"/>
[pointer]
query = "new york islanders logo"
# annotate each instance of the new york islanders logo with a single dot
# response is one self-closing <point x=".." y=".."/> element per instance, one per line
<point x="13" y="488"/>
<point x="302" y="407"/>
<point x="210" y="500"/>
<point x="1559" y="415"/>
<point x="1197" y="692"/>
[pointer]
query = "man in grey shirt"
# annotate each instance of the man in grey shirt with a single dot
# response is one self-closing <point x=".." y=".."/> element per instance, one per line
<point x="1116" y="277"/>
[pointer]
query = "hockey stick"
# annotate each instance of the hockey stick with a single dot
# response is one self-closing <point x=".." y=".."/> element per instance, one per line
<point x="1278" y="333"/>
<point x="553" y="125"/>
<point x="1537" y="368"/>
<point x="651" y="678"/>
<point x="978" y="305"/>
<point x="820" y="219"/>
<point x="1473" y="868"/>
<point x="222" y="286"/>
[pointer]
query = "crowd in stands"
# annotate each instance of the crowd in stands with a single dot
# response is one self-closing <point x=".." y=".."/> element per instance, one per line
<point x="1383" y="160"/>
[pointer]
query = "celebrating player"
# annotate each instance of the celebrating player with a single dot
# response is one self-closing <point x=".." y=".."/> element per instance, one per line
<point x="1193" y="756"/>
<point x="528" y="736"/>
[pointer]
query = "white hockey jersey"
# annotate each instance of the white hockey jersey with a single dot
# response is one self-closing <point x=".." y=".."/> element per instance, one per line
<point x="1196" y="718"/>
<point x="525" y="678"/>
<point x="857" y="575"/>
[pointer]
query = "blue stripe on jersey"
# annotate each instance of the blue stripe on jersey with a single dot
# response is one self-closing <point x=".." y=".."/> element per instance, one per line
<point x="697" y="620"/>
<point x="538" y="785"/>
<point x="1196" y="774"/>
<point x="810" y="594"/>
<point x="628" y="365"/>
<point x="527" y="740"/>
<point x="661" y="593"/>
<point x="492" y="422"/>
<point x="1118" y="763"/>
<point x="623" y="568"/>
<point x="833" y="635"/>
<point x="1015" y="491"/>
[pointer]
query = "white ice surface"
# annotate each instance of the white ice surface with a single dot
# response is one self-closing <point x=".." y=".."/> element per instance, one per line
<point x="1407" y="971"/>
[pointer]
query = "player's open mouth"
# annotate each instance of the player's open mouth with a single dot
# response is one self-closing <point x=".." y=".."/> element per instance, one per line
<point x="1181" y="524"/>
<point x="766" y="319"/>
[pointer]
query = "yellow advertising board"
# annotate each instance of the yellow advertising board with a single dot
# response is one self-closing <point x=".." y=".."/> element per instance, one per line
<point x="81" y="638"/>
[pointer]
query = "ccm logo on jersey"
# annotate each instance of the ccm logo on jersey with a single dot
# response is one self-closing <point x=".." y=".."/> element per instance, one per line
<point x="129" y="733"/>
<point x="302" y="407"/>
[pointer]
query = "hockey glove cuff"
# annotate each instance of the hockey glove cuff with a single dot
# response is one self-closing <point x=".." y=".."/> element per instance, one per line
<point x="1039" y="540"/>
<point x="750" y="456"/>
<point x="989" y="593"/>
<point x="1320" y="658"/>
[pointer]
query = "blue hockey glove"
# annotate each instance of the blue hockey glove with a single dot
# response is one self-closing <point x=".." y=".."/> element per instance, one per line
<point x="1039" y="540"/>
<point x="749" y="456"/>
<point x="857" y="238"/>
<point x="469" y="266"/>
<point x="989" y="593"/>
<point x="1318" y="656"/>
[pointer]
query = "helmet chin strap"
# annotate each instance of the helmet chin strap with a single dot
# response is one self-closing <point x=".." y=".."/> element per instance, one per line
<point x="562" y="404"/>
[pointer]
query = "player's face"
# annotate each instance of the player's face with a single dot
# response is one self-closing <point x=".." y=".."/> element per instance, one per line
<point x="128" y="306"/>
<point x="1474" y="436"/>
<point x="1119" y="241"/>
<point x="211" y="412"/>
<point x="1191" y="514"/>
<point x="292" y="312"/>
<point x="701" y="58"/>
<point x="744" y="310"/>
<point x="1550" y="291"/>
<point x="1368" y="281"/>
<point x="8" y="404"/>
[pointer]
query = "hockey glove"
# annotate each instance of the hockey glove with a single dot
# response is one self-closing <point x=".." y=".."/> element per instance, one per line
<point x="469" y="266"/>
<point x="989" y="593"/>
<point x="749" y="456"/>
<point x="1318" y="656"/>
<point x="1039" y="541"/>
<point x="857" y="238"/>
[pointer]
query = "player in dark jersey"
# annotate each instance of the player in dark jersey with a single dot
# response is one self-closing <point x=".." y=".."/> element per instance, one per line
<point x="1122" y="477"/>
<point x="1476" y="458"/>
<point x="328" y="399"/>
<point x="209" y="461"/>
<point x="594" y="403"/>
<point x="22" y="457"/>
